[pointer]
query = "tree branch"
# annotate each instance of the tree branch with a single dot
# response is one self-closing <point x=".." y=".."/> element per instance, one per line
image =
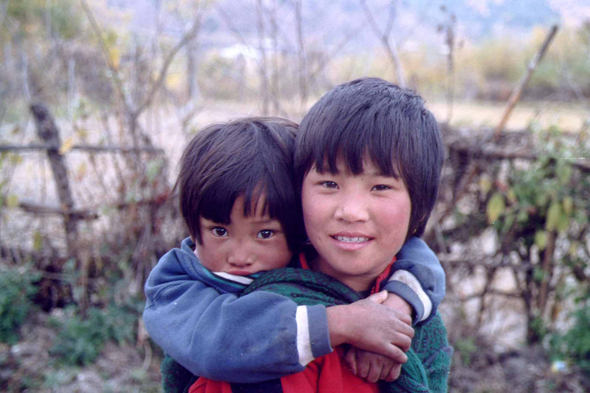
<point x="114" y="71"/>
<point x="88" y="148"/>
<point x="524" y="80"/>
<point x="390" y="47"/>
<point x="168" y="60"/>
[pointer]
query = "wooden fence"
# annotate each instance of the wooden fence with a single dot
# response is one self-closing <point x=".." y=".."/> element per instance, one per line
<point x="49" y="133"/>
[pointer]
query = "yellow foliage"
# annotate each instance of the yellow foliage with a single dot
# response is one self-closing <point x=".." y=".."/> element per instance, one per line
<point x="174" y="81"/>
<point x="81" y="171"/>
<point x="541" y="239"/>
<point x="485" y="184"/>
<point x="495" y="208"/>
<point x="37" y="241"/>
<point x="553" y="216"/>
<point x="66" y="145"/>
<point x="115" y="57"/>
<point x="568" y="205"/>
<point x="12" y="201"/>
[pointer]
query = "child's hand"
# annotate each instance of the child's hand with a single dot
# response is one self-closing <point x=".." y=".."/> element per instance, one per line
<point x="372" y="366"/>
<point x="398" y="304"/>
<point x="369" y="325"/>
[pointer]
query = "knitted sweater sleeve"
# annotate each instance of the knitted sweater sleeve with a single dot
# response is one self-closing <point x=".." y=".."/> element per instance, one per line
<point x="429" y="361"/>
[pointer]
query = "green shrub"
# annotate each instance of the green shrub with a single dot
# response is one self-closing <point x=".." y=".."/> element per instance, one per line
<point x="467" y="348"/>
<point x="17" y="286"/>
<point x="574" y="345"/>
<point x="80" y="340"/>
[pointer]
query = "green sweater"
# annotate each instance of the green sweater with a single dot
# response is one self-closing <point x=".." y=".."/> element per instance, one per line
<point x="429" y="358"/>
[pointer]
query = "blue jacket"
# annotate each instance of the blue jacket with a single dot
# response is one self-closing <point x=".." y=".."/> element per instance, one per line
<point x="263" y="335"/>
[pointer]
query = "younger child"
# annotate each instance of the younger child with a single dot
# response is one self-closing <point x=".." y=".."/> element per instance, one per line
<point x="239" y="200"/>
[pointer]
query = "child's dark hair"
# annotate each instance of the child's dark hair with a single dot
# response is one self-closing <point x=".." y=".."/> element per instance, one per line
<point x="372" y="118"/>
<point x="248" y="157"/>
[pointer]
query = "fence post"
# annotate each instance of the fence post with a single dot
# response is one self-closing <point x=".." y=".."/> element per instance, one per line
<point x="49" y="133"/>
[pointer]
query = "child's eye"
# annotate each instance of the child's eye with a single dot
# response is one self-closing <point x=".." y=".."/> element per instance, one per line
<point x="329" y="184"/>
<point x="265" y="234"/>
<point x="381" y="187"/>
<point x="219" y="231"/>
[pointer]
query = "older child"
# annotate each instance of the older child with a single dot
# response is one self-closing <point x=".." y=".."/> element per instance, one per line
<point x="240" y="203"/>
<point x="368" y="159"/>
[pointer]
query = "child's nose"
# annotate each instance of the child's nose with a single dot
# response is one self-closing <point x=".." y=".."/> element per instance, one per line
<point x="352" y="208"/>
<point x="240" y="258"/>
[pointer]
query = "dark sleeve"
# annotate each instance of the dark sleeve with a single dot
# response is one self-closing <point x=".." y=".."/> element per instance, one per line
<point x="223" y="337"/>
<point x="418" y="278"/>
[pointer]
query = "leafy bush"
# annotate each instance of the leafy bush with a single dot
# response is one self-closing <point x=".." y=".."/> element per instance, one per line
<point x="574" y="345"/>
<point x="17" y="286"/>
<point x="466" y="347"/>
<point x="80" y="340"/>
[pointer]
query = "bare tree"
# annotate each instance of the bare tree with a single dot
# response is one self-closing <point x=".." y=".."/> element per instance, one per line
<point x="192" y="87"/>
<point x="134" y="110"/>
<point x="262" y="69"/>
<point x="301" y="56"/>
<point x="449" y="30"/>
<point x="385" y="38"/>
<point x="274" y="29"/>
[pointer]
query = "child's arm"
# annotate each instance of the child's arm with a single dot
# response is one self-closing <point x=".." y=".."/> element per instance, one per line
<point x="417" y="286"/>
<point x="223" y="337"/>
<point x="254" y="338"/>
<point x="418" y="278"/>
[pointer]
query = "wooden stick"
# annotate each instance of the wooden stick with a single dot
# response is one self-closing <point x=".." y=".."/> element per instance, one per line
<point x="88" y="213"/>
<point x="47" y="131"/>
<point x="524" y="80"/>
<point x="88" y="148"/>
<point x="43" y="209"/>
<point x="524" y="154"/>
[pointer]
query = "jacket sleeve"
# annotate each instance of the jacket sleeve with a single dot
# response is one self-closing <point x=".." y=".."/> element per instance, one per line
<point x="217" y="335"/>
<point x="418" y="278"/>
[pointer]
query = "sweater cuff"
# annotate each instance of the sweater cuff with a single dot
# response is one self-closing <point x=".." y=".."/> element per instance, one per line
<point x="407" y="278"/>
<point x="313" y="337"/>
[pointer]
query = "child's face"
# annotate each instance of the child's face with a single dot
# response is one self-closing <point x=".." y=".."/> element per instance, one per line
<point x="247" y="245"/>
<point x="356" y="223"/>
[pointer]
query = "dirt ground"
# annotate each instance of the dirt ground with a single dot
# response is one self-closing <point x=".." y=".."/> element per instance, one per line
<point x="28" y="367"/>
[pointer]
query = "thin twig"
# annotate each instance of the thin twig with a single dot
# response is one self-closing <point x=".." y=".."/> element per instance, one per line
<point x="387" y="42"/>
<point x="88" y="148"/>
<point x="492" y="292"/>
<point x="547" y="271"/>
<point x="524" y="80"/>
<point x="479" y="152"/>
<point x="3" y="13"/>
<point x="168" y="60"/>
<point x="114" y="71"/>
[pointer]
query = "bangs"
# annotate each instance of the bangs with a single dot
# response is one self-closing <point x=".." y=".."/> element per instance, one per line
<point x="252" y="182"/>
<point x="365" y="134"/>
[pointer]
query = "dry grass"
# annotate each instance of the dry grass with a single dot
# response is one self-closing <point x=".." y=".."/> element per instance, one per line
<point x="567" y="116"/>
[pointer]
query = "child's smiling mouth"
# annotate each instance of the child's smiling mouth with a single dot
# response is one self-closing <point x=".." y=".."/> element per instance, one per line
<point x="351" y="241"/>
<point x="355" y="239"/>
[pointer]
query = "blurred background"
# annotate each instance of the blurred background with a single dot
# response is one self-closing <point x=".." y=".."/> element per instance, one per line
<point x="99" y="97"/>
